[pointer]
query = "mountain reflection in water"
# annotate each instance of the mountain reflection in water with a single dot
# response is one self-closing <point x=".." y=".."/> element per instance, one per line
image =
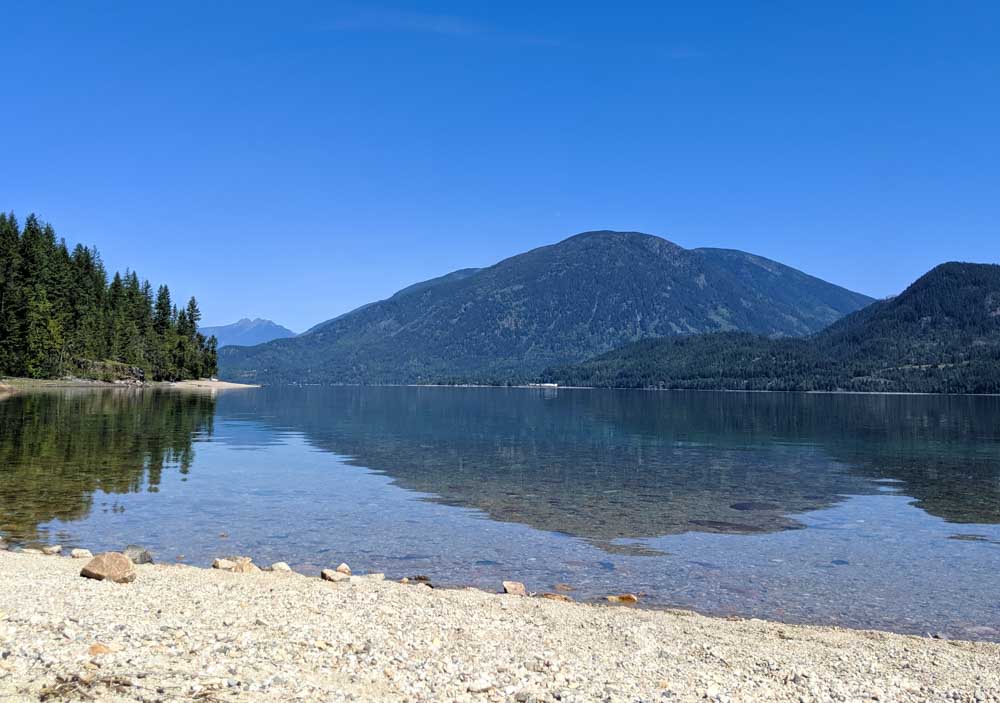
<point x="620" y="465"/>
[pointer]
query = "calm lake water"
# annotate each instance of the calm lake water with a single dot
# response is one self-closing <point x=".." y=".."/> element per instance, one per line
<point x="864" y="511"/>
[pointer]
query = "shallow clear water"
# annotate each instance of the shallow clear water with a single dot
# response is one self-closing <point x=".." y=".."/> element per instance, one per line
<point x="858" y="510"/>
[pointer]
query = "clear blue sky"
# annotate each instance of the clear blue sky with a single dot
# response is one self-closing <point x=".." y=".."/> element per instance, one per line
<point x="293" y="161"/>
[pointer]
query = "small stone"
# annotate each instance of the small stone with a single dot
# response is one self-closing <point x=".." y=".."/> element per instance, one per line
<point x="626" y="598"/>
<point x="98" y="648"/>
<point x="375" y="577"/>
<point x="331" y="575"/>
<point x="558" y="596"/>
<point x="244" y="565"/>
<point x="3" y="545"/>
<point x="52" y="549"/>
<point x="110" y="566"/>
<point x="564" y="587"/>
<point x="280" y="566"/>
<point x="30" y="550"/>
<point x="515" y="588"/>
<point x="81" y="554"/>
<point x="344" y="569"/>
<point x="223" y="564"/>
<point x="480" y="686"/>
<point x="138" y="555"/>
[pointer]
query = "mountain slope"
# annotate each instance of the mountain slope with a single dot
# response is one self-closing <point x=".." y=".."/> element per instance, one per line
<point x="555" y="304"/>
<point x="247" y="332"/>
<point x="942" y="334"/>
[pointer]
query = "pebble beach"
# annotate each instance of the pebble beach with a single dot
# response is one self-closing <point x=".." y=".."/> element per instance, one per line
<point x="176" y="632"/>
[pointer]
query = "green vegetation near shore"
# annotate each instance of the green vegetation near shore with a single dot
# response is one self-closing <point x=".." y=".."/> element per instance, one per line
<point x="59" y="315"/>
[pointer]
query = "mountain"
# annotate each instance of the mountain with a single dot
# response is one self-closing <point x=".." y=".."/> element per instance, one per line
<point x="942" y="334"/>
<point x="556" y="304"/>
<point x="247" y="332"/>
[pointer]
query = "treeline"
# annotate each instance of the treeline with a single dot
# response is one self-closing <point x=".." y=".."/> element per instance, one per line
<point x="59" y="315"/>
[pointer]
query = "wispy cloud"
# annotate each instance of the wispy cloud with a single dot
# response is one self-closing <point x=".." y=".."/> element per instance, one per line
<point x="416" y="22"/>
<point x="387" y="20"/>
<point x="684" y="52"/>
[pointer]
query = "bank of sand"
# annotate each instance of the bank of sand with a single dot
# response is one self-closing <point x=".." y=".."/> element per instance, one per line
<point x="183" y="633"/>
<point x="12" y="385"/>
<point x="209" y="385"/>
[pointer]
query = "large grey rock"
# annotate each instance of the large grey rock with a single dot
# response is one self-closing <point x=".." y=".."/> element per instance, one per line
<point x="110" y="566"/>
<point x="138" y="554"/>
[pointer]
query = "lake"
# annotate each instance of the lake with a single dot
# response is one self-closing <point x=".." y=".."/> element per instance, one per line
<point x="857" y="510"/>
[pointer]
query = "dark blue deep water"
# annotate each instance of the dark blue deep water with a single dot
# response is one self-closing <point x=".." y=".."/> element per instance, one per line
<point x="858" y="510"/>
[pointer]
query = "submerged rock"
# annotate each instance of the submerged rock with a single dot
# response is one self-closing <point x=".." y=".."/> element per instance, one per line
<point x="755" y="505"/>
<point x="110" y="566"/>
<point x="514" y="588"/>
<point x="138" y="555"/>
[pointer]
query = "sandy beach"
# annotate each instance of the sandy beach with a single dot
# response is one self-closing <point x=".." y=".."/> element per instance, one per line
<point x="12" y="385"/>
<point x="184" y="633"/>
<point x="209" y="385"/>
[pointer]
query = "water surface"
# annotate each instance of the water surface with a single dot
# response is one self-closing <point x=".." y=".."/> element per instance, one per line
<point x="858" y="510"/>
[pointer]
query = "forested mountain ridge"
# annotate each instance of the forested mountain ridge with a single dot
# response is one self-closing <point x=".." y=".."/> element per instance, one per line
<point x="555" y="304"/>
<point x="942" y="334"/>
<point x="247" y="332"/>
<point x="59" y="315"/>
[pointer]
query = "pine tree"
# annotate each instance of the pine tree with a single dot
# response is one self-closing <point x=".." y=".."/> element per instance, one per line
<point x="59" y="314"/>
<point x="10" y="292"/>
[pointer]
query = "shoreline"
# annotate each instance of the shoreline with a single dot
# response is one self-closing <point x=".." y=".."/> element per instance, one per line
<point x="10" y="385"/>
<point x="183" y="632"/>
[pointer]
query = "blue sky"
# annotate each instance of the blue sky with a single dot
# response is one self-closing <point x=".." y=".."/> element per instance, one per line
<point x="295" y="160"/>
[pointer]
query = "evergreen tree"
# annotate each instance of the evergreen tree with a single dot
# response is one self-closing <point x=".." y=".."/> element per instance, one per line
<point x="60" y="315"/>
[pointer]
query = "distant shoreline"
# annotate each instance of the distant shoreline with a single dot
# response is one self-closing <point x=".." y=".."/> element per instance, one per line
<point x="13" y="385"/>
<point x="542" y="387"/>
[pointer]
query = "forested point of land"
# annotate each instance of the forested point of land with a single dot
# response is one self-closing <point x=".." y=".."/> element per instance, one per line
<point x="61" y="316"/>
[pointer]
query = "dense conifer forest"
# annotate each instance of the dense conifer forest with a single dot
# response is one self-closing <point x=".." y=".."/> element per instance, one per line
<point x="61" y="316"/>
<point x="941" y="335"/>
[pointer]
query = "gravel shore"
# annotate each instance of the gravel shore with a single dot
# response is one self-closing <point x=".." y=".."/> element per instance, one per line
<point x="184" y="633"/>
